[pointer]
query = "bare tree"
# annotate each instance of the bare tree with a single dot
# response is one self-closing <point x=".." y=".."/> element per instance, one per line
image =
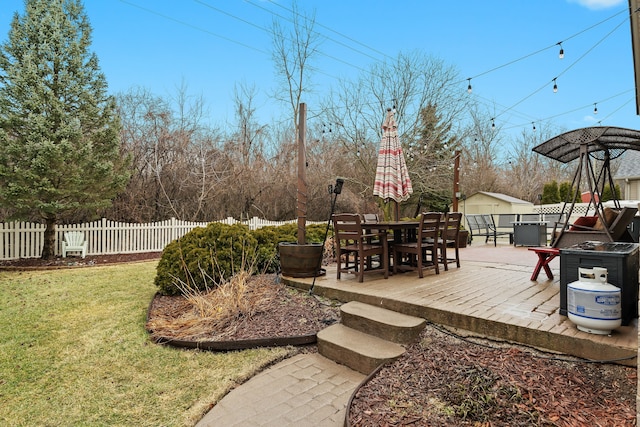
<point x="480" y="169"/>
<point x="293" y="51"/>
<point x="526" y="172"/>
<point x="177" y="165"/>
<point x="245" y="153"/>
<point x="411" y="83"/>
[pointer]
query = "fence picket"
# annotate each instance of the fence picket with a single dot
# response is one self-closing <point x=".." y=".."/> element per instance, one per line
<point x="25" y="239"/>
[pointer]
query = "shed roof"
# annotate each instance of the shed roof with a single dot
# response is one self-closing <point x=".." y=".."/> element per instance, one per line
<point x="504" y="198"/>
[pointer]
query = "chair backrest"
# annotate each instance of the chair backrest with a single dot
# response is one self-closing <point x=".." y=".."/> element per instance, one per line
<point x="347" y="226"/>
<point x="555" y="217"/>
<point x="529" y="217"/>
<point x="429" y="226"/>
<point x="620" y="224"/>
<point x="74" y="238"/>
<point x="506" y="220"/>
<point x="452" y="222"/>
<point x="487" y="221"/>
<point x="556" y="221"/>
<point x="370" y="218"/>
<point x="471" y="221"/>
<point x="475" y="222"/>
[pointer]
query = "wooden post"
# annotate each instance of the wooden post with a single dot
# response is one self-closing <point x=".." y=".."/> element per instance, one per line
<point x="456" y="180"/>
<point x="302" y="176"/>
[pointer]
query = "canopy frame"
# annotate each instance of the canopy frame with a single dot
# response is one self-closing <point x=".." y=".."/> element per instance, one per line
<point x="601" y="143"/>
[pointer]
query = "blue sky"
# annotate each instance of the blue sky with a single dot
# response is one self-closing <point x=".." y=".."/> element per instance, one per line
<point x="508" y="47"/>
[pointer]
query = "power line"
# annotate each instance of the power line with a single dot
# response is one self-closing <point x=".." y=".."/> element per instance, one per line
<point x="186" y="24"/>
<point x="582" y="107"/>
<point x="522" y="58"/>
<point x="352" y="40"/>
<point x="554" y="80"/>
<point x="335" y="32"/>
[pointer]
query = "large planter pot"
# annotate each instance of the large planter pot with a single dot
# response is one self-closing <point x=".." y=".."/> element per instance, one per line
<point x="463" y="238"/>
<point x="300" y="260"/>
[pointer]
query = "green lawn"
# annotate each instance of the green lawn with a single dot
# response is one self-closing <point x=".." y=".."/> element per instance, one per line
<point x="74" y="351"/>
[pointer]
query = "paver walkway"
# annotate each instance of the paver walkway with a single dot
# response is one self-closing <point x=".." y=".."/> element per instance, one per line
<point x="492" y="288"/>
<point x="305" y="390"/>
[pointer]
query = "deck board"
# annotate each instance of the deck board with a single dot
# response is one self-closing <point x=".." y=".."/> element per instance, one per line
<point x="490" y="294"/>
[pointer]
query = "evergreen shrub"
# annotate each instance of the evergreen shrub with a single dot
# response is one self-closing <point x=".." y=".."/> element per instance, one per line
<point x="221" y="250"/>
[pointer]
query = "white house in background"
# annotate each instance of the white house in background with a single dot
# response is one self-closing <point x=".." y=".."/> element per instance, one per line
<point x="627" y="174"/>
<point x="484" y="202"/>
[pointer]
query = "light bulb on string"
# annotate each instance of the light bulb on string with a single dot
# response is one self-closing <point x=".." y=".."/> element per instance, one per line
<point x="493" y="123"/>
<point x="534" y="126"/>
<point x="561" y="53"/>
<point x="469" y="90"/>
<point x="595" y="108"/>
<point x="555" y="85"/>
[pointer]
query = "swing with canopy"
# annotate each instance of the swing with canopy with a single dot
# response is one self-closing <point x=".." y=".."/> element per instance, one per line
<point x="602" y="144"/>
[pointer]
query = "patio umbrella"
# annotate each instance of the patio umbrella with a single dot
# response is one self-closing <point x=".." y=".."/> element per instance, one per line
<point x="392" y="180"/>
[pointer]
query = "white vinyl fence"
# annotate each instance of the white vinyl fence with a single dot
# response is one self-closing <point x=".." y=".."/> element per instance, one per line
<point x="25" y="239"/>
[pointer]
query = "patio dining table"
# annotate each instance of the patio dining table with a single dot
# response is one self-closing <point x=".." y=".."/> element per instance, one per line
<point x="403" y="231"/>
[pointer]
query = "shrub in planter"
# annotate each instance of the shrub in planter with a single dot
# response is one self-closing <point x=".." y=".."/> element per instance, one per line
<point x="269" y="237"/>
<point x="289" y="232"/>
<point x="463" y="238"/>
<point x="267" y="250"/>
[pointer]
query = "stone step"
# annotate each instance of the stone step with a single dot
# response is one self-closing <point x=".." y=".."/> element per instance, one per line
<point x="380" y="322"/>
<point x="359" y="351"/>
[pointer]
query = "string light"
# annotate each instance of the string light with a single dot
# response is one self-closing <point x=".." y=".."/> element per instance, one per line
<point x="555" y="85"/>
<point x="595" y="108"/>
<point x="534" y="126"/>
<point x="493" y="123"/>
<point x="561" y="53"/>
<point x="469" y="87"/>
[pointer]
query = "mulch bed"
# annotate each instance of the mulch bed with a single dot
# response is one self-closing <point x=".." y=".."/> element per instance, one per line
<point x="286" y="313"/>
<point x="77" y="261"/>
<point x="442" y="380"/>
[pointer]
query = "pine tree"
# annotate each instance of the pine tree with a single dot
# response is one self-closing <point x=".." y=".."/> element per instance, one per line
<point x="59" y="131"/>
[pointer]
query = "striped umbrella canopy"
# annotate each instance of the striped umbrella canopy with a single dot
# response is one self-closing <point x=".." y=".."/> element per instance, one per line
<point x="392" y="180"/>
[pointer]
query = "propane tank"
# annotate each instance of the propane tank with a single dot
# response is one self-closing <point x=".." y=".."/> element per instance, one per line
<point x="593" y="304"/>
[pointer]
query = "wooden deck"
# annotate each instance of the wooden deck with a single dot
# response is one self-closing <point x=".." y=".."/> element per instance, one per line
<point x="491" y="295"/>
